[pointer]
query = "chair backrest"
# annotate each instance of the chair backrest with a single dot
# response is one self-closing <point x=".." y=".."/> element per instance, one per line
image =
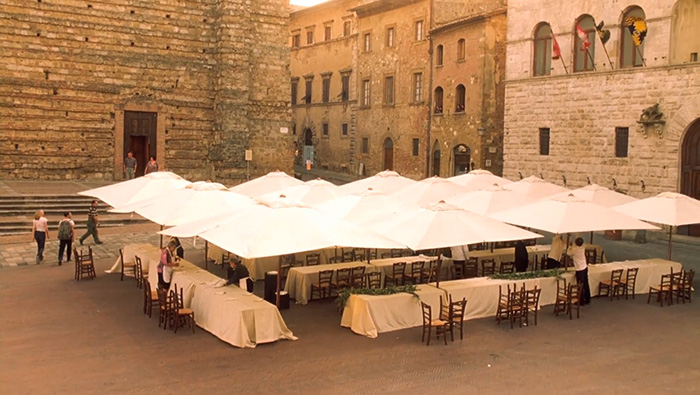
<point x="533" y="297"/>
<point x="666" y="280"/>
<point x="446" y="308"/>
<point x="471" y="267"/>
<point x="427" y="313"/>
<point x="225" y="259"/>
<point x="325" y="277"/>
<point x="343" y="274"/>
<point x="488" y="266"/>
<point x="574" y="294"/>
<point x="359" y="254"/>
<point x="615" y="276"/>
<point x="121" y="258"/>
<point x="417" y="267"/>
<point x="591" y="255"/>
<point x="334" y="259"/>
<point x="313" y="259"/>
<point x="632" y="276"/>
<point x="139" y="267"/>
<point x="507" y="267"/>
<point x="561" y="286"/>
<point x="348" y="256"/>
<point x="163" y="299"/>
<point x="396" y="253"/>
<point x="373" y="254"/>
<point x="458" y="308"/>
<point x="374" y="280"/>
<point x="358" y="271"/>
<point x="688" y="277"/>
<point x="398" y="268"/>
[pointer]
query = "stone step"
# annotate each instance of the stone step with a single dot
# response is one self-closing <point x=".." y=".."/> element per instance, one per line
<point x="24" y="227"/>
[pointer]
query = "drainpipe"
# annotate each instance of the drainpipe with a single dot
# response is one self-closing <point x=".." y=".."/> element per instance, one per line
<point x="429" y="142"/>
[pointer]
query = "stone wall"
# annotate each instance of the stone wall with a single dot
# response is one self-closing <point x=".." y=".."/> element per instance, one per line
<point x="214" y="71"/>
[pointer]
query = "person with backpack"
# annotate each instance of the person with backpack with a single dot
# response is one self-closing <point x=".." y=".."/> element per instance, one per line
<point x="66" y="234"/>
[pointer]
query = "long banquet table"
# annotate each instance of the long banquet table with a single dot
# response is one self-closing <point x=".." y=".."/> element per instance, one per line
<point x="386" y="265"/>
<point x="299" y="279"/>
<point x="145" y="251"/>
<point x="229" y="313"/>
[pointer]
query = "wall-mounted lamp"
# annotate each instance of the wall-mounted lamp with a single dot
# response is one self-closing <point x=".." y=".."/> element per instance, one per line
<point x="521" y="175"/>
<point x="644" y="187"/>
<point x="614" y="183"/>
<point x="563" y="177"/>
<point x="588" y="180"/>
<point x="481" y="131"/>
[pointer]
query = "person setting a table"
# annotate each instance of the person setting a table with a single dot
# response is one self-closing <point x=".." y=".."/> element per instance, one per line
<point x="238" y="273"/>
<point x="522" y="259"/>
<point x="578" y="254"/>
<point x="166" y="264"/>
<point x="554" y="257"/>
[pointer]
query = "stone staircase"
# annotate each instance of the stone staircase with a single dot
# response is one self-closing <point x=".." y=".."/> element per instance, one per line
<point x="17" y="212"/>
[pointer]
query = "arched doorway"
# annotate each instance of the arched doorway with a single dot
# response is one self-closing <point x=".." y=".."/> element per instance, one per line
<point x="436" y="159"/>
<point x="388" y="154"/>
<point x="308" y="146"/>
<point x="462" y="157"/>
<point x="690" y="167"/>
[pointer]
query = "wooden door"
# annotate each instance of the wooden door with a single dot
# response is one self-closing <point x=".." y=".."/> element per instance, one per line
<point x="690" y="168"/>
<point x="462" y="159"/>
<point x="388" y="154"/>
<point x="140" y="137"/>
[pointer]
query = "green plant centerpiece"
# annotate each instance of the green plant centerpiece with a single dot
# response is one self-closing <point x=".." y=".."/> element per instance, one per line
<point x="344" y="294"/>
<point x="528" y="275"/>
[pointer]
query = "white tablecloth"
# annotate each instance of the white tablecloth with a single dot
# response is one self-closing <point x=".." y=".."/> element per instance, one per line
<point x="144" y="251"/>
<point x="370" y="315"/>
<point x="386" y="265"/>
<point x="299" y="279"/>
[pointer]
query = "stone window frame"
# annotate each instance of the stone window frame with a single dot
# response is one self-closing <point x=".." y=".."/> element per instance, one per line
<point x="367" y="41"/>
<point x="296" y="38"/>
<point x="328" y="30"/>
<point x="387" y="37"/>
<point x="460" y="99"/>
<point x="365" y="148"/>
<point x="417" y="87"/>
<point x="345" y="84"/>
<point x="295" y="90"/>
<point x="622" y="135"/>
<point x="545" y="141"/>
<point x="326" y="87"/>
<point x="347" y="26"/>
<point x="389" y="97"/>
<point x="546" y="55"/>
<point x="415" y="146"/>
<point x="308" y="88"/>
<point x="310" y="35"/>
<point x="440" y="55"/>
<point x="461" y="50"/>
<point x="587" y="66"/>
<point x="344" y="130"/>
<point x="439" y="101"/>
<point x="366" y="89"/>
<point x="626" y="42"/>
<point x="419" y="29"/>
<point x="325" y="130"/>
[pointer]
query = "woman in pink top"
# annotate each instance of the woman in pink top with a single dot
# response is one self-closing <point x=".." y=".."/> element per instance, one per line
<point x="166" y="264"/>
<point x="40" y="233"/>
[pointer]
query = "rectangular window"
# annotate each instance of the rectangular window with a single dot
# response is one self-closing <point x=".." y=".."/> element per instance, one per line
<point x="327" y="32"/>
<point x="390" y="33"/>
<point x="419" y="30"/>
<point x="295" y="92"/>
<point x="325" y="130"/>
<point x="347" y="28"/>
<point x="307" y="95"/>
<point x="416" y="146"/>
<point x="309" y="37"/>
<point x="544" y="141"/>
<point x="365" y="145"/>
<point x="417" y="87"/>
<point x="622" y="136"/>
<point x="389" y="90"/>
<point x="365" y="93"/>
<point x="345" y="93"/>
<point x="367" y="40"/>
<point x="294" y="129"/>
<point x="296" y="40"/>
<point x="344" y="130"/>
<point x="326" y="89"/>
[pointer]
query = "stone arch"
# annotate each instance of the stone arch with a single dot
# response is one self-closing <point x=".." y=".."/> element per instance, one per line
<point x="435" y="159"/>
<point x="461" y="162"/>
<point x="678" y="126"/>
<point x="138" y="103"/>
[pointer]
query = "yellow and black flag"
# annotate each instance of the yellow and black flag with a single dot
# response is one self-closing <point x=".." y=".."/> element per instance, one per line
<point x="638" y="28"/>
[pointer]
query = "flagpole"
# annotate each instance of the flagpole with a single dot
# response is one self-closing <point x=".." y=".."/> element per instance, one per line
<point x="563" y="64"/>
<point x="640" y="55"/>
<point x="606" y="54"/>
<point x="591" y="58"/>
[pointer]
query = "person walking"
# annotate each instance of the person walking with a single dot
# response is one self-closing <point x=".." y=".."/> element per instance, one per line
<point x="151" y="166"/>
<point x="40" y="233"/>
<point x="130" y="165"/>
<point x="66" y="235"/>
<point x="578" y="254"/>
<point x="92" y="224"/>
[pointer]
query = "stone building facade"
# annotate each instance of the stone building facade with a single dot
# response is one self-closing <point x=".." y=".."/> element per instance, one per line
<point x="585" y="123"/>
<point x="390" y="53"/>
<point x="194" y="84"/>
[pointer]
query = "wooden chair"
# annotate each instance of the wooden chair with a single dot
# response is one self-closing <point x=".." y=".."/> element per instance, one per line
<point x="471" y="268"/>
<point x="313" y="259"/>
<point x="396" y="253"/>
<point x="348" y="256"/>
<point x="488" y="267"/>
<point x="335" y="259"/>
<point x="455" y="317"/>
<point x="181" y="316"/>
<point x="518" y="306"/>
<point x="591" y="256"/>
<point x="84" y="264"/>
<point x="359" y="254"/>
<point x="629" y="283"/>
<point x="415" y="275"/>
<point x="225" y="262"/>
<point x="612" y="286"/>
<point x="664" y="290"/>
<point x="324" y="286"/>
<point x="430" y="271"/>
<point x="684" y="290"/>
<point x="357" y="276"/>
<point x="342" y="279"/>
<point x="601" y="257"/>
<point x="561" y="303"/>
<point x="386" y="255"/>
<point x="372" y="253"/>
<point x="374" y="280"/>
<point x="457" y="272"/>
<point x="140" y="277"/>
<point x="127" y="267"/>
<point x="533" y="303"/>
<point x="503" y="304"/>
<point x="574" y="299"/>
<point x="165" y="303"/>
<point x="429" y="323"/>
<point x="150" y="299"/>
<point x="541" y="263"/>
<point x="398" y="274"/>
<point x="507" y="267"/>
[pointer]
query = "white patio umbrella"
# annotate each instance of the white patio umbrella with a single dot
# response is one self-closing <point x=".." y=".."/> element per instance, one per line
<point x="479" y="179"/>
<point x="429" y="190"/>
<point x="387" y="181"/>
<point x="489" y="201"/>
<point x="535" y="187"/>
<point x="138" y="189"/>
<point x="440" y="225"/>
<point x="363" y="206"/>
<point x="311" y="192"/>
<point x="597" y="194"/>
<point x="280" y="227"/>
<point x="667" y="208"/>
<point x="270" y="182"/>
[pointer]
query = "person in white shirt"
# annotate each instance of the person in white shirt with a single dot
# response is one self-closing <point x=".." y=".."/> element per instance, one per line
<point x="40" y="233"/>
<point x="554" y="258"/>
<point x="460" y="255"/>
<point x="578" y="253"/>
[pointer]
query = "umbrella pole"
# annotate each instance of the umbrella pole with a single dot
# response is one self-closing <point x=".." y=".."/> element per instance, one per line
<point x="279" y="281"/>
<point x="367" y="254"/>
<point x="161" y="237"/>
<point x="591" y="237"/>
<point x="491" y="246"/>
<point x="566" y="258"/>
<point x="206" y="255"/>
<point x="439" y="270"/>
<point x="670" y="246"/>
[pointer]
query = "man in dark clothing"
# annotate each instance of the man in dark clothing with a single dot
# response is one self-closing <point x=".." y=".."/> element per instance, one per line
<point x="238" y="273"/>
<point x="92" y="224"/>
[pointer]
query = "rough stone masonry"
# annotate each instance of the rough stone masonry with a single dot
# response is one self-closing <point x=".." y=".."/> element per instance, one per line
<point x="214" y="74"/>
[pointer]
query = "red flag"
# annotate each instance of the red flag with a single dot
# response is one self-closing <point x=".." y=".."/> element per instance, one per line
<point x="556" y="51"/>
<point x="583" y="36"/>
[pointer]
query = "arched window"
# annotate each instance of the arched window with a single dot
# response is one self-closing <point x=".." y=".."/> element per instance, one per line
<point x="460" y="98"/>
<point x="685" y="30"/>
<point x="584" y="44"/>
<point x="436" y="159"/>
<point x="542" y="50"/>
<point x="630" y="54"/>
<point x="439" y="55"/>
<point x="388" y="154"/>
<point x="438" y="100"/>
<point x="461" y="49"/>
